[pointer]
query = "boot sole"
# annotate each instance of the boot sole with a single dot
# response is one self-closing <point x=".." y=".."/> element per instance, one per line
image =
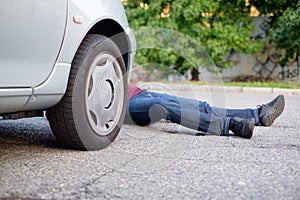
<point x="270" y="118"/>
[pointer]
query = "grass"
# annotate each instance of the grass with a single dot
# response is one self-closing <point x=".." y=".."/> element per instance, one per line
<point x="264" y="84"/>
<point x="287" y="85"/>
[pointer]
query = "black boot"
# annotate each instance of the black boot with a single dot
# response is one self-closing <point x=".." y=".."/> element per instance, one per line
<point x="242" y="127"/>
<point x="267" y="113"/>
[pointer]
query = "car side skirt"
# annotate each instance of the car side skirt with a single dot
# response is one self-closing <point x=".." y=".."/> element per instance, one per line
<point x="52" y="90"/>
<point x="40" y="97"/>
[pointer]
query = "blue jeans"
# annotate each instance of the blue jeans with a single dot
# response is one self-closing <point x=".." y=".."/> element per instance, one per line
<point x="149" y="107"/>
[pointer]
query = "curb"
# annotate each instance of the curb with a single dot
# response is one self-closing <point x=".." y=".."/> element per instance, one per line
<point x="212" y="88"/>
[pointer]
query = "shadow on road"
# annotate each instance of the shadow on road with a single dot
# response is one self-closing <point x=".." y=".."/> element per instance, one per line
<point x="26" y="132"/>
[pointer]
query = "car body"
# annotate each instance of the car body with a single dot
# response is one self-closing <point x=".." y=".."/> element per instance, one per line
<point x="39" y="40"/>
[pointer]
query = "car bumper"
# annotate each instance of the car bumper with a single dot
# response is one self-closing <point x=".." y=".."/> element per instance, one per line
<point x="132" y="46"/>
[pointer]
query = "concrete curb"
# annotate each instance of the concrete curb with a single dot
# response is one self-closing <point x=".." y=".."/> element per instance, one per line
<point x="212" y="88"/>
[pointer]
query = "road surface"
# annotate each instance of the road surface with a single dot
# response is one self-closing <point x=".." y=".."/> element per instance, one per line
<point x="162" y="161"/>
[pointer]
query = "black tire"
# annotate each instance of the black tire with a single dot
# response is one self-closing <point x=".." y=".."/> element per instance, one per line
<point x="90" y="114"/>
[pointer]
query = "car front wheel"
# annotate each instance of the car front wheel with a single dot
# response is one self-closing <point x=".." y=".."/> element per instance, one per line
<point x="92" y="110"/>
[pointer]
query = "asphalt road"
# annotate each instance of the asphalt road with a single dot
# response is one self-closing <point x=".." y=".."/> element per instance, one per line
<point x="163" y="161"/>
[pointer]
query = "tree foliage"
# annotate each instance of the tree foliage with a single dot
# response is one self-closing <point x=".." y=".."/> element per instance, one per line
<point x="219" y="27"/>
<point x="285" y="23"/>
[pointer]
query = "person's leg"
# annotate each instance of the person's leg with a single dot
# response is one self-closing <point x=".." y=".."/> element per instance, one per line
<point x="191" y="114"/>
<point x="264" y="115"/>
<point x="149" y="107"/>
<point x="204" y="107"/>
<point x="247" y="113"/>
<point x="188" y="113"/>
<point x="144" y="109"/>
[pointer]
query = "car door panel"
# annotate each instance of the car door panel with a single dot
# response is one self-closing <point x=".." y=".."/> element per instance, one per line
<point x="31" y="36"/>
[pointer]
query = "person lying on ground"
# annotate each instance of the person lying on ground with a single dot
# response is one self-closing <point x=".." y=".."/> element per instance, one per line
<point x="146" y="107"/>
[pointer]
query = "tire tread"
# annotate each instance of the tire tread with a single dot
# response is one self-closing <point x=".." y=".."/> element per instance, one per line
<point x="60" y="116"/>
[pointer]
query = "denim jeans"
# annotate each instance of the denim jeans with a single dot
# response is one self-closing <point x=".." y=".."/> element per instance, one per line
<point x="149" y="107"/>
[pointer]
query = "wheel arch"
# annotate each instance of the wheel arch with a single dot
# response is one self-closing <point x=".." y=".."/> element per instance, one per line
<point x="113" y="30"/>
<point x="59" y="77"/>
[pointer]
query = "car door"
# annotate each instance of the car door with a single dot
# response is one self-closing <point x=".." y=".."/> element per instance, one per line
<point x="31" y="35"/>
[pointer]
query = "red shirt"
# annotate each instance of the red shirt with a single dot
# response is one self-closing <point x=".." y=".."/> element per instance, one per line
<point x="133" y="90"/>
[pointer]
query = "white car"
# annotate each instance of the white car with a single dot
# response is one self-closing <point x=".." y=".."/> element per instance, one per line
<point x="69" y="58"/>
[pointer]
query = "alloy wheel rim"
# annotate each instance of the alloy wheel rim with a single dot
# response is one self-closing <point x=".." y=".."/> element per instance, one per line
<point x="104" y="94"/>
